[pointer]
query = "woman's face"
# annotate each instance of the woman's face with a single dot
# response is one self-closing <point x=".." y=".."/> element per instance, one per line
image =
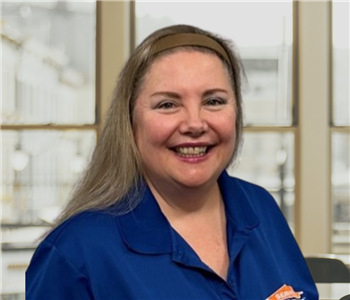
<point x="184" y="120"/>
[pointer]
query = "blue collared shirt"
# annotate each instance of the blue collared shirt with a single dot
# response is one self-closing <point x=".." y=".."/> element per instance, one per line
<point x="138" y="255"/>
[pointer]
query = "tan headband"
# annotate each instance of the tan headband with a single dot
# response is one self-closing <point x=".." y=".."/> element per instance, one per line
<point x="189" y="39"/>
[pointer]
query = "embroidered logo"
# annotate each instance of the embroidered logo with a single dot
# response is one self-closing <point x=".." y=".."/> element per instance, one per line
<point x="286" y="292"/>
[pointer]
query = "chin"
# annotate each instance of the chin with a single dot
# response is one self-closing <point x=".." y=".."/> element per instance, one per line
<point x="197" y="181"/>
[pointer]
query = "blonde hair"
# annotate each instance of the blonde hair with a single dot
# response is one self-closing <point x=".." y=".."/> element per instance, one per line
<point x="114" y="174"/>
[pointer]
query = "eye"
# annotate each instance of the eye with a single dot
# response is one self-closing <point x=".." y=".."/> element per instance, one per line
<point x="166" y="105"/>
<point x="215" y="101"/>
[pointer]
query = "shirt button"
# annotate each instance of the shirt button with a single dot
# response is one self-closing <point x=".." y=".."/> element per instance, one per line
<point x="231" y="283"/>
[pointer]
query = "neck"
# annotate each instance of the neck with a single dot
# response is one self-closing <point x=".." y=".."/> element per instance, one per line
<point x="179" y="201"/>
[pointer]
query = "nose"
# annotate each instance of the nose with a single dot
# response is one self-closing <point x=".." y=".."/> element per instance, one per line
<point x="194" y="123"/>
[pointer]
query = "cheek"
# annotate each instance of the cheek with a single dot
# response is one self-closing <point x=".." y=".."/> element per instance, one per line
<point x="229" y="135"/>
<point x="227" y="127"/>
<point x="151" y="132"/>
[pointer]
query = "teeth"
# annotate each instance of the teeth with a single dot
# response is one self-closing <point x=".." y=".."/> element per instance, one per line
<point x="191" y="150"/>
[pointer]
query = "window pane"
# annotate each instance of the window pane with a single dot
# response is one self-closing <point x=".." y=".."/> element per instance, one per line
<point x="267" y="159"/>
<point x="263" y="34"/>
<point x="39" y="168"/>
<point x="341" y="63"/>
<point x="341" y="192"/>
<point x="38" y="171"/>
<point x="48" y="62"/>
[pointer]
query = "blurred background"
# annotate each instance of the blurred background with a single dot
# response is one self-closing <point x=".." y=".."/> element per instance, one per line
<point x="59" y="65"/>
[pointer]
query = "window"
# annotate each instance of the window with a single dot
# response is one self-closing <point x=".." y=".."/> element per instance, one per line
<point x="48" y="120"/>
<point x="340" y="132"/>
<point x="45" y="143"/>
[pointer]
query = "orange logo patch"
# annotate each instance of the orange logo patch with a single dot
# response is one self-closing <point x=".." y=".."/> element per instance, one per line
<point x="286" y="292"/>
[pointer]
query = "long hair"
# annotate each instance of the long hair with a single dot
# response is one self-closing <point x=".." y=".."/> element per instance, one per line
<point x="115" y="167"/>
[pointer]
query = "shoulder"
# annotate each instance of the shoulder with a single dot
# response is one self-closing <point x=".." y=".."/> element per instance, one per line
<point x="247" y="186"/>
<point x="68" y="254"/>
<point x="253" y="192"/>
<point x="85" y="223"/>
<point x="256" y="197"/>
<point x="84" y="234"/>
<point x="76" y="243"/>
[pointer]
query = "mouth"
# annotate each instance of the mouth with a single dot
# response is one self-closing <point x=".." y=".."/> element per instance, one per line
<point x="191" y="151"/>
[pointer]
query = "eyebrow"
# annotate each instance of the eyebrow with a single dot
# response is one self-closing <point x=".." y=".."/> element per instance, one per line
<point x="166" y="93"/>
<point x="215" y="90"/>
<point x="177" y="96"/>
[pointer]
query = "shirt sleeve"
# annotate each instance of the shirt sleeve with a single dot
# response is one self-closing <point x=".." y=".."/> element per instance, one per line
<point x="51" y="276"/>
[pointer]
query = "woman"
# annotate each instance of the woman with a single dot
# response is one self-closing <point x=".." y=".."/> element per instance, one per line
<point x="156" y="216"/>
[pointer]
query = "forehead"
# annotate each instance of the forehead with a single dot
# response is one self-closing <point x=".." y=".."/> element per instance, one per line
<point x="182" y="53"/>
<point x="187" y="63"/>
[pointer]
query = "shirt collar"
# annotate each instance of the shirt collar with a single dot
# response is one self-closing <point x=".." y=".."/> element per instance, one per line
<point x="146" y="230"/>
<point x="240" y="214"/>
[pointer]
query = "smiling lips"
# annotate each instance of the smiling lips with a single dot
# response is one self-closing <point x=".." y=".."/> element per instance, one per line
<point x="191" y="151"/>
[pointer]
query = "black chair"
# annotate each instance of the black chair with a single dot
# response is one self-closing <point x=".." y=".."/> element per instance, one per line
<point x="346" y="297"/>
<point x="328" y="270"/>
